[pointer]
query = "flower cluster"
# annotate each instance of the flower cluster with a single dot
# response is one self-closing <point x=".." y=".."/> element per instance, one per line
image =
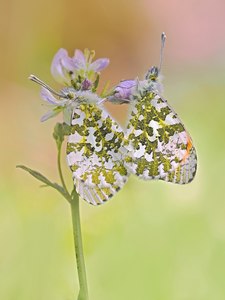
<point x="79" y="75"/>
<point x="100" y="153"/>
<point x="78" y="71"/>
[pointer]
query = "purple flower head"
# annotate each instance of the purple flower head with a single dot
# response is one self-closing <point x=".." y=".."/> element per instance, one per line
<point x="78" y="71"/>
<point x="80" y="77"/>
<point x="123" y="91"/>
<point x="125" y="88"/>
<point x="86" y="84"/>
<point x="86" y="73"/>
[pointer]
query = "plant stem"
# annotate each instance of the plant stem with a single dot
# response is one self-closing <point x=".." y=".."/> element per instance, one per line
<point x="83" y="293"/>
<point x="74" y="203"/>
<point x="60" y="169"/>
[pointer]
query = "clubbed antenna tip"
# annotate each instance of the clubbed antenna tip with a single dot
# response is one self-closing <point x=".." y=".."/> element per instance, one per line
<point x="163" y="39"/>
<point x="40" y="82"/>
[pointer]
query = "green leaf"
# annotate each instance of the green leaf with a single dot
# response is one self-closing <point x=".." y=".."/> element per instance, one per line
<point x="46" y="181"/>
<point x="60" y="131"/>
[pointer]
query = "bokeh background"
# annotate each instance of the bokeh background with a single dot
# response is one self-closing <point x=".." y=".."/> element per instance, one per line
<point x="153" y="240"/>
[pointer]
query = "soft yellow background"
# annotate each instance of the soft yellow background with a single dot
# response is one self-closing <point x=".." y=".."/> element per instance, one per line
<point x="153" y="240"/>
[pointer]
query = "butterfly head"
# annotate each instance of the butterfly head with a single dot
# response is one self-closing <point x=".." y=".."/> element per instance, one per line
<point x="79" y="97"/>
<point x="128" y="90"/>
<point x="152" y="74"/>
<point x="65" y="100"/>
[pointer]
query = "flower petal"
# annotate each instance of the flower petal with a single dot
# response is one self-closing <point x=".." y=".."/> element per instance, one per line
<point x="99" y="64"/>
<point x="61" y="65"/>
<point x="68" y="63"/>
<point x="47" y="96"/>
<point x="79" y="60"/>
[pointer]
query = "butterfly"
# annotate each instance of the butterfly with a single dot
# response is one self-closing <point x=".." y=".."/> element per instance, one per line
<point x="95" y="152"/>
<point x="95" y="148"/>
<point x="158" y="145"/>
<point x="102" y="155"/>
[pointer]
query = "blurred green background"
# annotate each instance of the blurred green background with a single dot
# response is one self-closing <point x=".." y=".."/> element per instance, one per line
<point x="153" y="240"/>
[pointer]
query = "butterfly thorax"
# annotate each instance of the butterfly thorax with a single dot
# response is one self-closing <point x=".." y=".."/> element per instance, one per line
<point x="78" y="97"/>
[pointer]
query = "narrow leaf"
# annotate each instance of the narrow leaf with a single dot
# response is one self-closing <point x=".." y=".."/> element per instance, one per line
<point x="46" y="181"/>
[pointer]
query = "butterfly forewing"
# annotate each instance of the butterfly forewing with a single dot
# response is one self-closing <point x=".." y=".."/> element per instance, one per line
<point x="95" y="154"/>
<point x="158" y="144"/>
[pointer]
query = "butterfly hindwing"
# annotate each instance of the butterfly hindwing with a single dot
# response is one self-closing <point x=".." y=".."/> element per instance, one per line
<point x="158" y="145"/>
<point x="95" y="154"/>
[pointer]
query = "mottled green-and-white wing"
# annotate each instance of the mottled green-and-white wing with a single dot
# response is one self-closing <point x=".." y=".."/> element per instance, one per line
<point x="95" y="154"/>
<point x="158" y="145"/>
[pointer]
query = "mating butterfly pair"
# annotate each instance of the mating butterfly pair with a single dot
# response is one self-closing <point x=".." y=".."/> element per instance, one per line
<point x="101" y="154"/>
<point x="154" y="144"/>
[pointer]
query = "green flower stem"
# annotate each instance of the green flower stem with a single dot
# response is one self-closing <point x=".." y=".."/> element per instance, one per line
<point x="74" y="203"/>
<point x="83" y="293"/>
<point x="60" y="168"/>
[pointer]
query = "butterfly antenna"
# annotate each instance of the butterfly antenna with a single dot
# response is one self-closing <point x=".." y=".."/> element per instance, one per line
<point x="163" y="39"/>
<point x="102" y="101"/>
<point x="40" y="82"/>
